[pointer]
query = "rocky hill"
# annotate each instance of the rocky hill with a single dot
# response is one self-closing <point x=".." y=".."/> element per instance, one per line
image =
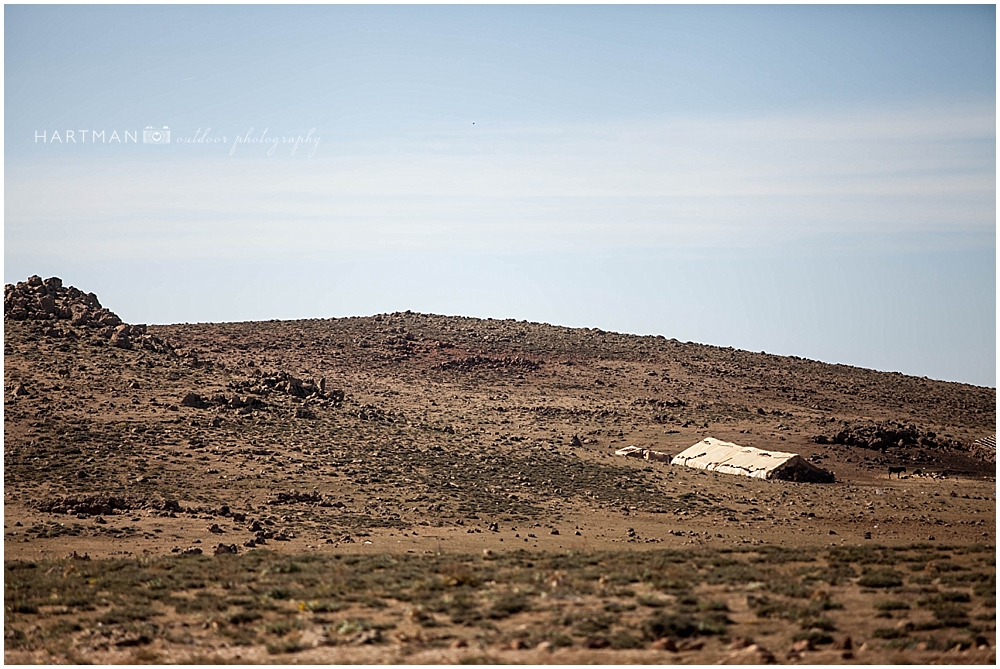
<point x="400" y="454"/>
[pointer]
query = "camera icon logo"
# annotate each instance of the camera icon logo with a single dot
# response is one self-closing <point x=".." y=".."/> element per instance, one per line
<point x="153" y="135"/>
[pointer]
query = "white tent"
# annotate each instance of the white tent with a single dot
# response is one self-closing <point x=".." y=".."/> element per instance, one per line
<point x="644" y="453"/>
<point x="716" y="455"/>
<point x="986" y="448"/>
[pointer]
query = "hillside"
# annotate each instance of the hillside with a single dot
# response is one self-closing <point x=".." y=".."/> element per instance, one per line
<point x="411" y="433"/>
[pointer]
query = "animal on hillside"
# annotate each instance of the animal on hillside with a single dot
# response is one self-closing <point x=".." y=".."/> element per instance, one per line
<point x="898" y="471"/>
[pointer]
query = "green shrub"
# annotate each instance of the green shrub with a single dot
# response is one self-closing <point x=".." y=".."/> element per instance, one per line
<point x="713" y="606"/>
<point x="986" y="588"/>
<point x="117" y="616"/>
<point x="284" y="646"/>
<point x="890" y="605"/>
<point x="278" y="593"/>
<point x="463" y="611"/>
<point x="593" y="623"/>
<point x="618" y="607"/>
<point x="241" y="617"/>
<point x="955" y="596"/>
<point x="881" y="578"/>
<point x="789" y="588"/>
<point x="669" y="624"/>
<point x="624" y="640"/>
<point x="282" y="627"/>
<point x="652" y="602"/>
<point x="815" y="637"/>
<point x="714" y="623"/>
<point x="862" y="555"/>
<point x="816" y="622"/>
<point x="319" y="606"/>
<point x="285" y="568"/>
<point x="952" y="616"/>
<point x="507" y="605"/>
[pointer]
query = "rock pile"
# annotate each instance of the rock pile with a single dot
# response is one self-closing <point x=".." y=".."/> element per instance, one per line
<point x="40" y="299"/>
<point x="506" y="363"/>
<point x="296" y="497"/>
<point x="880" y="436"/>
<point x="105" y="505"/>
<point x="243" y="405"/>
<point x="371" y="412"/>
<point x="659" y="403"/>
<point x="283" y="382"/>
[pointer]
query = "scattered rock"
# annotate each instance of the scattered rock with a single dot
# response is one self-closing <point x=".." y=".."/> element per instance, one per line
<point x="506" y="363"/>
<point x="104" y="505"/>
<point x="764" y="656"/>
<point x="304" y="412"/>
<point x="194" y="400"/>
<point x="296" y="497"/>
<point x="801" y="646"/>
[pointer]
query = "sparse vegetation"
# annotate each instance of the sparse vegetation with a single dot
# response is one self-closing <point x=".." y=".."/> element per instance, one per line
<point x="881" y="578"/>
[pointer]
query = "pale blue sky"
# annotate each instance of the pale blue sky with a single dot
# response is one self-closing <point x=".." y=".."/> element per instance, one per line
<point x="812" y="181"/>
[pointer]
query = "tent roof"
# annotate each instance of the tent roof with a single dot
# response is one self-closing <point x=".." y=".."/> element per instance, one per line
<point x="722" y="456"/>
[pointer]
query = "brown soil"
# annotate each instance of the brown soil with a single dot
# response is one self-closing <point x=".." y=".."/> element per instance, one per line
<point x="425" y="436"/>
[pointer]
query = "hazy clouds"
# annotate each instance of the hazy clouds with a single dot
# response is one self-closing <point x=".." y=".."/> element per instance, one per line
<point x="688" y="182"/>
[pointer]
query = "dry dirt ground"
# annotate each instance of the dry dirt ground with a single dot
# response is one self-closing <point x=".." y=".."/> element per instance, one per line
<point x="420" y="488"/>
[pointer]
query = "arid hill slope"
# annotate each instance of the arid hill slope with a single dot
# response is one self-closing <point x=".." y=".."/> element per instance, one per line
<point x="446" y="488"/>
<point x="402" y="414"/>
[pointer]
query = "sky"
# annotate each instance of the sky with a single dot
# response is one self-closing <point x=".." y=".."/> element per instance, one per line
<point x="817" y="181"/>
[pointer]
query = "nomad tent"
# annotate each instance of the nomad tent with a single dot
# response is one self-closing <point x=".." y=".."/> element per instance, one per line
<point x="986" y="448"/>
<point x="644" y="453"/>
<point x="715" y="455"/>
